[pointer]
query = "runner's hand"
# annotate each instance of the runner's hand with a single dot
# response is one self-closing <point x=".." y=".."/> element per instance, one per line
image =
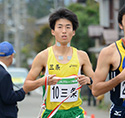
<point x="83" y="80"/>
<point x="52" y="80"/>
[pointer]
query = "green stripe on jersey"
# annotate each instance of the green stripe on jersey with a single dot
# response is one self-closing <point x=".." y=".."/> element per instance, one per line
<point x="67" y="81"/>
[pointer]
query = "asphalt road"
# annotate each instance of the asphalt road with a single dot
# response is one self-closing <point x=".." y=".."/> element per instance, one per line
<point x="30" y="107"/>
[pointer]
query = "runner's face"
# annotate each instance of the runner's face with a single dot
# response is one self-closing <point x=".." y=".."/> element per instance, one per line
<point x="63" y="31"/>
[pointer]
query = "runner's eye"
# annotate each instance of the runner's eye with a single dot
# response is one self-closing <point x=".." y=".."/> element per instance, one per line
<point x="59" y="27"/>
<point x="68" y="27"/>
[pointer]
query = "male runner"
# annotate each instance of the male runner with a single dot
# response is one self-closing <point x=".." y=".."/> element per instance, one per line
<point x="112" y="60"/>
<point x="63" y="61"/>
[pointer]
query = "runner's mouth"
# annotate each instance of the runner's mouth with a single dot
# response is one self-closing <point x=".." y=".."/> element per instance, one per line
<point x="64" y="36"/>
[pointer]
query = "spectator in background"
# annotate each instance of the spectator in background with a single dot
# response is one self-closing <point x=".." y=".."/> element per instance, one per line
<point x="91" y="97"/>
<point x="8" y="97"/>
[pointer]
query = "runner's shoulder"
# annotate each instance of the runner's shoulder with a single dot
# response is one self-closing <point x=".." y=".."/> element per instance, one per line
<point x="82" y="53"/>
<point x="108" y="50"/>
<point x="42" y="56"/>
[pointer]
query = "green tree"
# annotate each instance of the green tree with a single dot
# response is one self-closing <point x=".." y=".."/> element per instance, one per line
<point x="87" y="15"/>
<point x="39" y="8"/>
<point x="42" y="38"/>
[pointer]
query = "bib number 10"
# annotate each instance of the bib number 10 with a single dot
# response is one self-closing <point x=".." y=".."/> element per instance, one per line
<point x="59" y="92"/>
<point x="55" y="92"/>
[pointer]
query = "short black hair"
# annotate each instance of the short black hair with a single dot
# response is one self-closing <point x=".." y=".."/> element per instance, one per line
<point x="63" y="13"/>
<point x="120" y="14"/>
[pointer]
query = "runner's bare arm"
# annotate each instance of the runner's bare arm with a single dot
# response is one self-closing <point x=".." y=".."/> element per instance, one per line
<point x="100" y="85"/>
<point x="87" y="68"/>
<point x="31" y="81"/>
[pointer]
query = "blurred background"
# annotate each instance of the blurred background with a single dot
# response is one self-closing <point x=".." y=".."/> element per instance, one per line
<point x="24" y="23"/>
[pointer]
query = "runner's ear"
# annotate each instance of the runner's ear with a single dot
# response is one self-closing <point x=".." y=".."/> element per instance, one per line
<point x="121" y="27"/>
<point x="52" y="32"/>
<point x="74" y="32"/>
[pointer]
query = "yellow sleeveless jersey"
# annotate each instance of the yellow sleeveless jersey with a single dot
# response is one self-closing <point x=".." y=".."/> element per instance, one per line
<point x="57" y="93"/>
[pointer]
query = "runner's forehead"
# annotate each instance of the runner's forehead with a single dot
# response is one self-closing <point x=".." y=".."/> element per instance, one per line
<point x="63" y="22"/>
<point x="64" y="25"/>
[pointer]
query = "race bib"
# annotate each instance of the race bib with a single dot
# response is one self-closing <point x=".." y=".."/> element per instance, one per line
<point x="62" y="89"/>
<point x="122" y="92"/>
